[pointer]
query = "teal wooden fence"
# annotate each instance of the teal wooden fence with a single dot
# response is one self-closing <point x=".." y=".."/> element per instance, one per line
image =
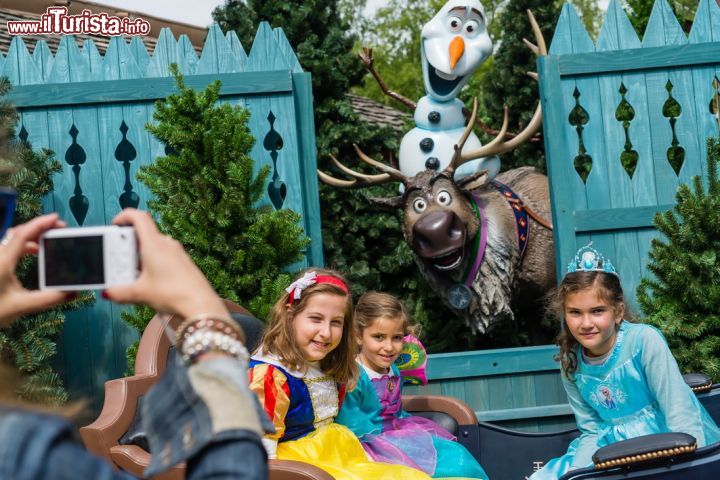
<point x="514" y="387"/>
<point x="637" y="113"/>
<point x="91" y="110"/>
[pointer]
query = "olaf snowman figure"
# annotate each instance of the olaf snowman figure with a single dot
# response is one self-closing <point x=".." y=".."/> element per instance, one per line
<point x="454" y="43"/>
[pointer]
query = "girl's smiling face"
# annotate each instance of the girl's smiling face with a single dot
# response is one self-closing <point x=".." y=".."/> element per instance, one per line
<point x="381" y="343"/>
<point x="592" y="321"/>
<point x="319" y="326"/>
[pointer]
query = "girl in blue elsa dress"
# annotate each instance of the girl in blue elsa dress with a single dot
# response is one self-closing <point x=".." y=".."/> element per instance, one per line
<point x="373" y="410"/>
<point x="620" y="377"/>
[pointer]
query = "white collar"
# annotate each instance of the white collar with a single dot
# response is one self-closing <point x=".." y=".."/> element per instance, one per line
<point x="373" y="374"/>
<point x="313" y="369"/>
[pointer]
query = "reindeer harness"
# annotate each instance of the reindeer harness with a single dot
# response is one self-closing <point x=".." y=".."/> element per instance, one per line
<point x="459" y="294"/>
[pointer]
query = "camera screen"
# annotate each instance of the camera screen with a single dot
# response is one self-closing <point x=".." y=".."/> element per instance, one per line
<point x="74" y="261"/>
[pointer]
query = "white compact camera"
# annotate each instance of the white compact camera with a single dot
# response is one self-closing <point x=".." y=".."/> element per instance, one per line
<point x="87" y="258"/>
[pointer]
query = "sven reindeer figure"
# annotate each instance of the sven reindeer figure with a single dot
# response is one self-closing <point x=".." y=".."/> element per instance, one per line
<point x="471" y="237"/>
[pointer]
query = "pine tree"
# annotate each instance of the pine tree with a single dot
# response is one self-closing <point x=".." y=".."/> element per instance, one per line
<point x="683" y="296"/>
<point x="206" y="196"/>
<point x="29" y="343"/>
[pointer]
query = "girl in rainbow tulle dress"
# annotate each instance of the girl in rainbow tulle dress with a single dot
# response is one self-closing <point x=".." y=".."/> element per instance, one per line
<point x="300" y="374"/>
<point x="373" y="410"/>
<point x="620" y="377"/>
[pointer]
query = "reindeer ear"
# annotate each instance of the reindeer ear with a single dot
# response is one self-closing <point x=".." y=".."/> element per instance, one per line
<point x="473" y="182"/>
<point x="387" y="203"/>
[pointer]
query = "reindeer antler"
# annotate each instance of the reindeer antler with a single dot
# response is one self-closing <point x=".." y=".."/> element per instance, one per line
<point x="497" y="146"/>
<point x="361" y="179"/>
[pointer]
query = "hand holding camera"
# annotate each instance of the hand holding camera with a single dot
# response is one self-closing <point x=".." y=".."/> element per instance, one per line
<point x="15" y="300"/>
<point x="168" y="280"/>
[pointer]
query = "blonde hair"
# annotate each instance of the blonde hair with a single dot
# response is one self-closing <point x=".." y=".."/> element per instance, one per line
<point x="374" y="305"/>
<point x="279" y="338"/>
<point x="606" y="286"/>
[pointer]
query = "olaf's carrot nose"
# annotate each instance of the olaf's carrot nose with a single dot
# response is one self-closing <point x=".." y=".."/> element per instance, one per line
<point x="457" y="48"/>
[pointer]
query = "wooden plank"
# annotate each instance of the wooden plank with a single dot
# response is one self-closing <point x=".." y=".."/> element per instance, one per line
<point x="142" y="58"/>
<point x="121" y="63"/>
<point x="286" y="50"/>
<point x="237" y="49"/>
<point x="706" y="24"/>
<point x="500" y="392"/>
<point x="702" y="31"/>
<point x="144" y="89"/>
<point x="20" y="68"/>
<point x="544" y="411"/>
<point x="617" y="33"/>
<point x="217" y="55"/>
<point x="491" y="362"/>
<point x="85" y="359"/>
<point x="186" y="49"/>
<point x="663" y="29"/>
<point x="43" y="58"/>
<point x="165" y="53"/>
<point x="559" y="174"/>
<point x="603" y="219"/>
<point x="95" y="61"/>
<point x="305" y="124"/>
<point x="265" y="53"/>
<point x="637" y="59"/>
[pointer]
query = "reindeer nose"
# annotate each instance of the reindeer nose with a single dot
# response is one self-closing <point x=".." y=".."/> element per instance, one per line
<point x="438" y="232"/>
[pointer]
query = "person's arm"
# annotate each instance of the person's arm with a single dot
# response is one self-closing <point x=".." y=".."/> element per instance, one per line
<point x="359" y="408"/>
<point x="272" y="390"/>
<point x="665" y="381"/>
<point x="202" y="405"/>
<point x="588" y="422"/>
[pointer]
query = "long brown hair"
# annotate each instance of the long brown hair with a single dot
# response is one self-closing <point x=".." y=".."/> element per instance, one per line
<point x="606" y="286"/>
<point x="279" y="338"/>
<point x="374" y="305"/>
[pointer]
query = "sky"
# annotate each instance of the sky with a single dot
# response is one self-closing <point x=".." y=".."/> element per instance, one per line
<point x="198" y="12"/>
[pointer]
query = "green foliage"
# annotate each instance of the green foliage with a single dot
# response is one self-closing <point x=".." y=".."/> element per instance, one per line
<point x="639" y="12"/>
<point x="207" y="194"/>
<point x="683" y="295"/>
<point x="29" y="343"/>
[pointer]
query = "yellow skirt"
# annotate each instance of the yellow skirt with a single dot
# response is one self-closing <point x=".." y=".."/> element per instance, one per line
<point x="335" y="449"/>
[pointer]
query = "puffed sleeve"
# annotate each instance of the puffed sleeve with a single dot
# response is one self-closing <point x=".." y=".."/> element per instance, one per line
<point x="360" y="407"/>
<point x="271" y="387"/>
<point x="665" y="381"/>
<point x="588" y="422"/>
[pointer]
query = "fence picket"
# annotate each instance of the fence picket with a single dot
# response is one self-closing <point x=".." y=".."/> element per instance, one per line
<point x="43" y="58"/>
<point x="237" y="49"/>
<point x="19" y="66"/>
<point x="217" y="56"/>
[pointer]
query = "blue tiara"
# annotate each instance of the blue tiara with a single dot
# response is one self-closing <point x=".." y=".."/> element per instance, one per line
<point x="587" y="259"/>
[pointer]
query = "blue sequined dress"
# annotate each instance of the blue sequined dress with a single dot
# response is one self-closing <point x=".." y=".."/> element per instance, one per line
<point x="638" y="390"/>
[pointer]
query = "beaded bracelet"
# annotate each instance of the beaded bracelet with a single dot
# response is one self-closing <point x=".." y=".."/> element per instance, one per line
<point x="207" y="340"/>
<point x="203" y="333"/>
<point x="221" y="324"/>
